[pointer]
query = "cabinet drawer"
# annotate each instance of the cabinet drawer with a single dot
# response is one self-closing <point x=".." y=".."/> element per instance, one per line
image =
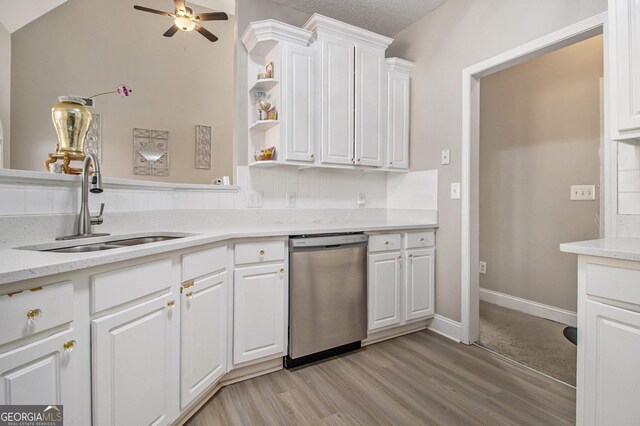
<point x="613" y="282"/>
<point x="421" y="239"/>
<point x="384" y="242"/>
<point x="203" y="262"/>
<point x="256" y="252"/>
<point x="30" y="312"/>
<point x="116" y="287"/>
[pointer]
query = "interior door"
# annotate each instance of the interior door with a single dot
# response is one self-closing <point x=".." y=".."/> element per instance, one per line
<point x="337" y="99"/>
<point x="370" y="105"/>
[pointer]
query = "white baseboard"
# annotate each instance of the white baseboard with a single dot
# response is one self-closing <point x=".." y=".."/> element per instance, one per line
<point x="529" y="307"/>
<point x="446" y="327"/>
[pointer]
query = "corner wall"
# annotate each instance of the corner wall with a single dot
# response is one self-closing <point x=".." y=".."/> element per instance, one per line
<point x="456" y="35"/>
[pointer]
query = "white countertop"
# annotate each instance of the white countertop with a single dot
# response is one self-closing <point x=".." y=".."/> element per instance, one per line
<point x="615" y="248"/>
<point x="17" y="265"/>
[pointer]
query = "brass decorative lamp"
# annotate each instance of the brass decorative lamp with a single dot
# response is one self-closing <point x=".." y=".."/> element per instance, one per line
<point x="72" y="119"/>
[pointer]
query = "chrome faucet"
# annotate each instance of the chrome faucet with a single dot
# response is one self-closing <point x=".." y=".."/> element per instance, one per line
<point x="85" y="220"/>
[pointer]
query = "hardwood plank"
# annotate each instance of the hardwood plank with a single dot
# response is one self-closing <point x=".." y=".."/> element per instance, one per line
<point x="420" y="378"/>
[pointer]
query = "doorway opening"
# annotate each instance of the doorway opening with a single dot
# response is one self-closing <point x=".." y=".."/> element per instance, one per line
<point x="540" y="137"/>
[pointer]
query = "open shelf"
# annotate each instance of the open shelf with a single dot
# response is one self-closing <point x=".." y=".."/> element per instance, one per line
<point x="265" y="164"/>
<point x="264" y="124"/>
<point x="264" y="85"/>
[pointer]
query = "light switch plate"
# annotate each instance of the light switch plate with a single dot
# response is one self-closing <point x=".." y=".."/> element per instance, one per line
<point x="255" y="199"/>
<point x="483" y="268"/>
<point x="445" y="157"/>
<point x="291" y="200"/>
<point x="362" y="199"/>
<point x="583" y="192"/>
<point x="455" y="191"/>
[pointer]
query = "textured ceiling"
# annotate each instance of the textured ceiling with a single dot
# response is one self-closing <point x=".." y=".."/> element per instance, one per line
<point x="386" y="17"/>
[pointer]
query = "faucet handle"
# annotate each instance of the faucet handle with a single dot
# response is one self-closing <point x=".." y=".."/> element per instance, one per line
<point x="97" y="220"/>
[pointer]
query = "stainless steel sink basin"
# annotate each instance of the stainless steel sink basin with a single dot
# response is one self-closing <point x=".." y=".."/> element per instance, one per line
<point x="109" y="243"/>
<point x="83" y="249"/>
<point x="140" y="240"/>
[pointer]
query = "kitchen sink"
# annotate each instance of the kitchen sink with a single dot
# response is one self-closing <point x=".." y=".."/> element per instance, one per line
<point x="83" y="249"/>
<point x="106" y="243"/>
<point x="140" y="240"/>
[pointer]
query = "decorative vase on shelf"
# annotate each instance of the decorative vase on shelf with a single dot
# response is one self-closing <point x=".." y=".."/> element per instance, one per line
<point x="71" y="119"/>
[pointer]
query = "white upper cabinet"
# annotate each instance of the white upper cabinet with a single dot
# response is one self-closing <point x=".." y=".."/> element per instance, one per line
<point x="624" y="50"/>
<point x="352" y="92"/>
<point x="298" y="109"/>
<point x="370" y="85"/>
<point x="336" y="120"/>
<point x="398" y="112"/>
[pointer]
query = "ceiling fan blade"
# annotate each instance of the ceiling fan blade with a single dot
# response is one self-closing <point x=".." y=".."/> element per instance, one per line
<point x="157" y="12"/>
<point x="214" y="16"/>
<point x="211" y="37"/>
<point x="171" y="31"/>
<point x="180" y="5"/>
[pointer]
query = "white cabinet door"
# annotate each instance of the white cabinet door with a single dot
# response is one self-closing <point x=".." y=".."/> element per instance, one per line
<point x="337" y="56"/>
<point x="398" y="104"/>
<point x="258" y="312"/>
<point x="370" y="106"/>
<point x="419" y="288"/>
<point x="298" y="109"/>
<point x="384" y="279"/>
<point x="625" y="18"/>
<point x="612" y="370"/>
<point x="43" y="373"/>
<point x="133" y="364"/>
<point x="203" y="335"/>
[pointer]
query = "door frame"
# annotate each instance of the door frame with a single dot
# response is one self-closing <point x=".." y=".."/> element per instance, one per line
<point x="470" y="278"/>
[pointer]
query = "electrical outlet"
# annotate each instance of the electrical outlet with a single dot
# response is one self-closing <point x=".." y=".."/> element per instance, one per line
<point x="483" y="267"/>
<point x="455" y="191"/>
<point x="445" y="157"/>
<point x="255" y="199"/>
<point x="583" y="192"/>
<point x="291" y="200"/>
<point x="362" y="199"/>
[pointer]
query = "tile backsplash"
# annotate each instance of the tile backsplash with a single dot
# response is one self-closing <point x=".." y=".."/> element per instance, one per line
<point x="628" y="179"/>
<point x="314" y="189"/>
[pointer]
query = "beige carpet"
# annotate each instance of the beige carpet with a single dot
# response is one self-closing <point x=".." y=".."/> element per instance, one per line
<point x="535" y="342"/>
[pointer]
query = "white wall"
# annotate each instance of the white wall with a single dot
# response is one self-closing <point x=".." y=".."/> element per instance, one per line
<point x="456" y="35"/>
<point x="84" y="47"/>
<point x="539" y="134"/>
<point x="628" y="179"/>
<point x="5" y="92"/>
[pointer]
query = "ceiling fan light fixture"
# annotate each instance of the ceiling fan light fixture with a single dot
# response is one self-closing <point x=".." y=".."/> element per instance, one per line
<point x="184" y="23"/>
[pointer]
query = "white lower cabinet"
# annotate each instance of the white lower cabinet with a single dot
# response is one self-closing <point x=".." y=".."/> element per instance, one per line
<point x="42" y="373"/>
<point x="611" y="366"/>
<point x="385" y="281"/>
<point x="258" y="312"/>
<point x="419" y="288"/>
<point x="134" y="357"/>
<point x="401" y="279"/>
<point x="203" y="335"/>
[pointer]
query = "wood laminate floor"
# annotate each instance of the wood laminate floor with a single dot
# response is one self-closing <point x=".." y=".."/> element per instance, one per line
<point x="421" y="378"/>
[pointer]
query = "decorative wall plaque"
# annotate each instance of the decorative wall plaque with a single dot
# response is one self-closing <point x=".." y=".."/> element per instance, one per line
<point x="203" y="147"/>
<point x="150" y="152"/>
<point x="93" y="142"/>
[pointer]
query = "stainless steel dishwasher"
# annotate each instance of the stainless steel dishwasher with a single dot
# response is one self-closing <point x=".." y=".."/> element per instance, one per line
<point x="327" y="296"/>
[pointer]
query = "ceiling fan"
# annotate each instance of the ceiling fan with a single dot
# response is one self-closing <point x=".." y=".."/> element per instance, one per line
<point x="184" y="19"/>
